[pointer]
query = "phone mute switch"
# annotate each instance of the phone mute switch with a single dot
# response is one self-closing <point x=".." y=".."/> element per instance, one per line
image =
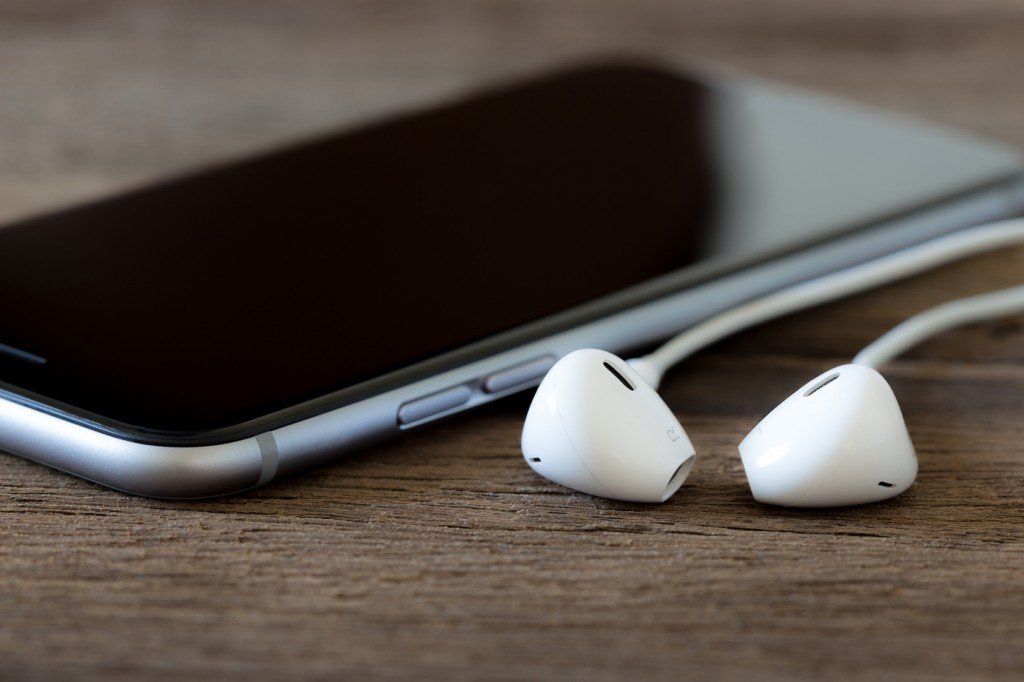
<point x="433" y="404"/>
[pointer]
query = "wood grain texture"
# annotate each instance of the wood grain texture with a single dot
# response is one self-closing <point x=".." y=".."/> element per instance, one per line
<point x="442" y="555"/>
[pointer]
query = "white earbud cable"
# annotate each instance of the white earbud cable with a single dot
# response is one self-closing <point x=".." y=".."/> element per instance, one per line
<point x="939" y="319"/>
<point x="898" y="265"/>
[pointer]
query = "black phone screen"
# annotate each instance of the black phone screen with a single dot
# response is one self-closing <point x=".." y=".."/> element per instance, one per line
<point x="237" y="291"/>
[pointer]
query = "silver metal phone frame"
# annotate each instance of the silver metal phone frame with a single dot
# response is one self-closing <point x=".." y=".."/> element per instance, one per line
<point x="189" y="472"/>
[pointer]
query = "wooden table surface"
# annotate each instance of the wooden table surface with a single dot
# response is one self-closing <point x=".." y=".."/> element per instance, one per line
<point x="442" y="555"/>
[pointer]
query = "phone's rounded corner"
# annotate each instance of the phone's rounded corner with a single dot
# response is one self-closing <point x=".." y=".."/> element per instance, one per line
<point x="188" y="473"/>
<point x="174" y="473"/>
<point x="145" y="470"/>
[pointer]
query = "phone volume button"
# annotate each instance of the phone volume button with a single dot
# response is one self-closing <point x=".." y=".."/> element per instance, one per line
<point x="520" y="375"/>
<point x="433" y="404"/>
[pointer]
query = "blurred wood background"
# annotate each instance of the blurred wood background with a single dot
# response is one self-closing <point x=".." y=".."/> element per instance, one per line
<point x="442" y="555"/>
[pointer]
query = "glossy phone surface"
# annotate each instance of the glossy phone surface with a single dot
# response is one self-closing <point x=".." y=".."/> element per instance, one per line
<point x="312" y="276"/>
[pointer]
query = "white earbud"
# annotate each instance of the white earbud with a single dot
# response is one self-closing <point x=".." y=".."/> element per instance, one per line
<point x="839" y="440"/>
<point x="596" y="426"/>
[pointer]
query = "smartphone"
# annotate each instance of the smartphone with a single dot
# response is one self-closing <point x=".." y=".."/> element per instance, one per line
<point x="213" y="332"/>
